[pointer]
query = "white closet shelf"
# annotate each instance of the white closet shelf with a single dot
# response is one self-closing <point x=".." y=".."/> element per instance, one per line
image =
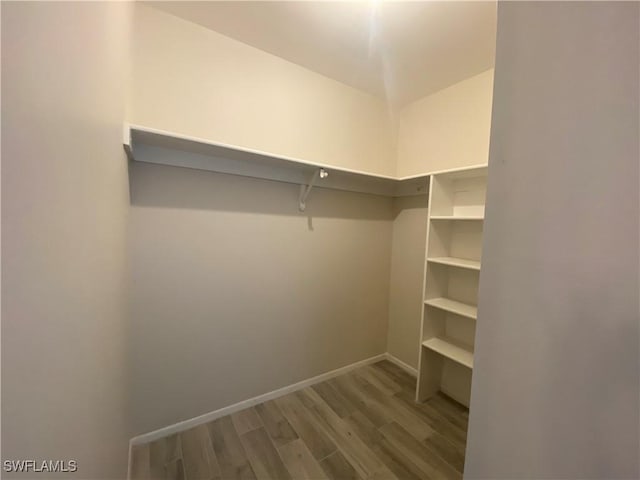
<point x="451" y="349"/>
<point x="456" y="262"/>
<point x="457" y="217"/>
<point x="150" y="145"/>
<point x="453" y="306"/>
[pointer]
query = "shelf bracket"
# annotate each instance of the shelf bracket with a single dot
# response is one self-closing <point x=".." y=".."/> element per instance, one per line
<point x="126" y="142"/>
<point x="305" y="190"/>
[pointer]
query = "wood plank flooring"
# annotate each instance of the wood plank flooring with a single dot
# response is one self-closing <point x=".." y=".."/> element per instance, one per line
<point x="363" y="425"/>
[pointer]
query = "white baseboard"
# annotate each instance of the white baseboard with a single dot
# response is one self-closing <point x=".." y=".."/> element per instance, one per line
<point x="406" y="367"/>
<point x="236" y="407"/>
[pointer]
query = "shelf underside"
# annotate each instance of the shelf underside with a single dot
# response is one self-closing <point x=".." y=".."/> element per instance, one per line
<point x="164" y="148"/>
<point x="451" y="349"/>
<point x="453" y="306"/>
<point x="456" y="262"/>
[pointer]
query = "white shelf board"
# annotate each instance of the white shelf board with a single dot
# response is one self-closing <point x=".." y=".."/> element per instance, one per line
<point x="450" y="349"/>
<point x="150" y="145"/>
<point x="456" y="262"/>
<point x="464" y="172"/>
<point x="457" y="217"/>
<point x="453" y="306"/>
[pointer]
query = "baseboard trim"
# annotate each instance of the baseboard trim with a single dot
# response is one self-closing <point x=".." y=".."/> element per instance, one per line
<point x="406" y="367"/>
<point x="236" y="407"/>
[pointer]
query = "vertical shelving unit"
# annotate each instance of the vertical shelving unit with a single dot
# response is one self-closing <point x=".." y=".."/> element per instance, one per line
<point x="450" y="290"/>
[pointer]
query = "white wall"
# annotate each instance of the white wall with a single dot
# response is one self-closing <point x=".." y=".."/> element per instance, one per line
<point x="235" y="293"/>
<point x="194" y="81"/>
<point x="217" y="88"/>
<point x="64" y="205"/>
<point x="447" y="129"/>
<point x="556" y="377"/>
<point x="407" y="268"/>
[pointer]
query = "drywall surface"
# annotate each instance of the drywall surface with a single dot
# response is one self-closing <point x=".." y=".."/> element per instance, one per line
<point x="407" y="268"/>
<point x="194" y="81"/>
<point x="555" y="390"/>
<point x="235" y="293"/>
<point x="447" y="129"/>
<point x="64" y="206"/>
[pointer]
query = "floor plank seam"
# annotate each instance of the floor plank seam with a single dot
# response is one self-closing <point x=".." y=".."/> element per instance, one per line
<point x="440" y="457"/>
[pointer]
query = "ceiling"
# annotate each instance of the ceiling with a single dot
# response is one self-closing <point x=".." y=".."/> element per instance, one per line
<point x="400" y="51"/>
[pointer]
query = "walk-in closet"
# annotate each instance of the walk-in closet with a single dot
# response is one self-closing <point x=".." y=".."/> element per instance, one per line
<point x="318" y="235"/>
<point x="372" y="240"/>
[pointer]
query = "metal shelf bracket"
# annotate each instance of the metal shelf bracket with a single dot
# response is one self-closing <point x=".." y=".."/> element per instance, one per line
<point x="305" y="190"/>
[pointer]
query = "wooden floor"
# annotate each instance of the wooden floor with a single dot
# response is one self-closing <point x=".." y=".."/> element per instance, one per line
<point x="361" y="425"/>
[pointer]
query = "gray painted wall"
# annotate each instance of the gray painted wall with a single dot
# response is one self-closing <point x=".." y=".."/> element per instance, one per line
<point x="407" y="268"/>
<point x="234" y="293"/>
<point x="556" y="378"/>
<point x="64" y="206"/>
